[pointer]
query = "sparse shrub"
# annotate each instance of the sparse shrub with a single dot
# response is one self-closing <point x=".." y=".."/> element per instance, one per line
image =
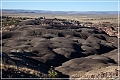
<point x="9" y="76"/>
<point x="52" y="73"/>
<point x="41" y="18"/>
<point x="24" y="18"/>
<point x="4" y="67"/>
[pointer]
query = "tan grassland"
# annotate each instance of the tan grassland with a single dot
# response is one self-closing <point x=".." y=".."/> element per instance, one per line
<point x="95" y="18"/>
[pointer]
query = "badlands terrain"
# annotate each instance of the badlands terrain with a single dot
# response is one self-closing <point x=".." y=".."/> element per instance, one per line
<point x="33" y="47"/>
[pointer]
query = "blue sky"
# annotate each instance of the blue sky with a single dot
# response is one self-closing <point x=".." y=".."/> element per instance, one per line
<point x="63" y="6"/>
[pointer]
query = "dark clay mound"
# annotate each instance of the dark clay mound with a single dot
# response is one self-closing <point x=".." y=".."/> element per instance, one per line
<point x="68" y="48"/>
<point x="6" y="35"/>
<point x="84" y="64"/>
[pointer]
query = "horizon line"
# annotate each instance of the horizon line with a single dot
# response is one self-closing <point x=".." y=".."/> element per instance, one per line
<point x="58" y="10"/>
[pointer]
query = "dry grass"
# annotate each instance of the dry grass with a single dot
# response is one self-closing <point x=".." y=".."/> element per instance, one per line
<point x="23" y="69"/>
<point x="81" y="17"/>
<point x="108" y="73"/>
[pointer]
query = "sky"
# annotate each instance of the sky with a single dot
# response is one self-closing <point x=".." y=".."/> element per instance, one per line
<point x="62" y="5"/>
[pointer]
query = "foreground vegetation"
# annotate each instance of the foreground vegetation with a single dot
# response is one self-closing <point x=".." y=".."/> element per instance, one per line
<point x="8" y="21"/>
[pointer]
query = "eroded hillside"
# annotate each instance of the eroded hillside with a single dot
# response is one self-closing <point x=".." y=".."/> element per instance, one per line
<point x="68" y="46"/>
